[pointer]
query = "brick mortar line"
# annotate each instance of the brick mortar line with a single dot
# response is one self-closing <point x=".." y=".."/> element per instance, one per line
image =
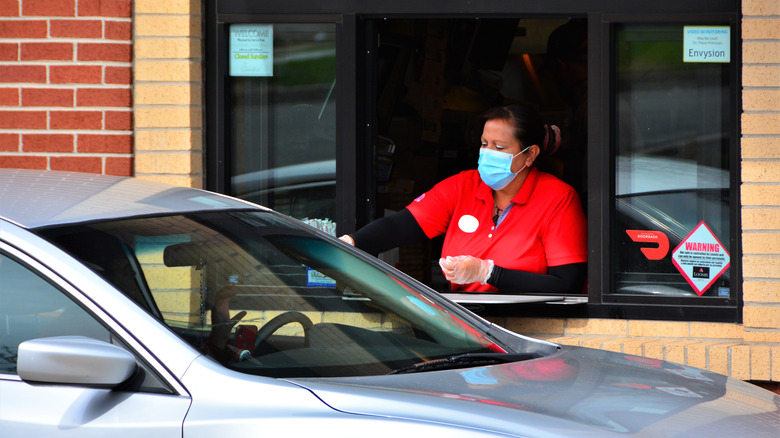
<point x="174" y="83"/>
<point x="142" y="13"/>
<point x="179" y="83"/>
<point x="760" y="207"/>
<point x="49" y="19"/>
<point x="168" y="152"/>
<point x="163" y="129"/>
<point x="65" y="39"/>
<point x="170" y="175"/>
<point x="166" y="105"/>
<point x="161" y="59"/>
<point x="39" y="85"/>
<point x="61" y="131"/>
<point x="71" y="154"/>
<point x="160" y="14"/>
<point x="167" y="37"/>
<point x="71" y="40"/>
<point x="68" y="108"/>
<point x="58" y="63"/>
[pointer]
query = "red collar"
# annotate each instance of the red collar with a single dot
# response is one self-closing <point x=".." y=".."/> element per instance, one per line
<point x="485" y="193"/>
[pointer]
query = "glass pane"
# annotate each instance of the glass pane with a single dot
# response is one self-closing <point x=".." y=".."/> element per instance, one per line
<point x="32" y="308"/>
<point x="266" y="295"/>
<point x="283" y="127"/>
<point x="671" y="168"/>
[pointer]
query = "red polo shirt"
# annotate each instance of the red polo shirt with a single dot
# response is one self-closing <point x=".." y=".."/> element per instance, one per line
<point x="545" y="227"/>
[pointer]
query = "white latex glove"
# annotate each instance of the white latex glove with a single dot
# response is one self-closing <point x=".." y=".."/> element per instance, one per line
<point x="466" y="269"/>
<point x="347" y="238"/>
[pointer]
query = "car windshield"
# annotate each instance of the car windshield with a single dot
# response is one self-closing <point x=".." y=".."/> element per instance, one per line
<point x="266" y="295"/>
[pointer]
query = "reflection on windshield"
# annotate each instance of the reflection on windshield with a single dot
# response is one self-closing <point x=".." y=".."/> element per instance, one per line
<point x="267" y="295"/>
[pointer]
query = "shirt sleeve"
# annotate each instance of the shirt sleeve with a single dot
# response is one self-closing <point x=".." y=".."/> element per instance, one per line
<point x="433" y="209"/>
<point x="566" y="239"/>
<point x="563" y="279"/>
<point x="398" y="229"/>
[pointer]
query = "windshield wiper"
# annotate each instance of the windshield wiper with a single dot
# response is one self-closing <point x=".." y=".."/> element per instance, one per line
<point x="466" y="360"/>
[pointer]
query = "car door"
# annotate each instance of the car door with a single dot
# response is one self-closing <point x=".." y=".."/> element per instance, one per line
<point x="35" y="303"/>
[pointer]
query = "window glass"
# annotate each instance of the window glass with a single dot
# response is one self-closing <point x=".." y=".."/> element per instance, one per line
<point x="31" y="308"/>
<point x="672" y="172"/>
<point x="282" y="133"/>
<point x="265" y="295"/>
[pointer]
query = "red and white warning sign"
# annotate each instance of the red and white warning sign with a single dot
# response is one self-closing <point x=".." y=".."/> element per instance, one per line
<point x="701" y="258"/>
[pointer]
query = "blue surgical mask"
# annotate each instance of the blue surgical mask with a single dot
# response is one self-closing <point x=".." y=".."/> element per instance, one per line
<point x="495" y="168"/>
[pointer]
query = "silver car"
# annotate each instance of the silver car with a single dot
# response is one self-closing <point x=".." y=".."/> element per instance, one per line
<point x="131" y="308"/>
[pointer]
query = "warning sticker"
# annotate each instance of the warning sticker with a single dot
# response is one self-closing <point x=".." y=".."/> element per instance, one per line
<point x="701" y="258"/>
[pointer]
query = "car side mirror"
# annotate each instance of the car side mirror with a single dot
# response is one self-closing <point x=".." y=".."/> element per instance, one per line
<point x="74" y="360"/>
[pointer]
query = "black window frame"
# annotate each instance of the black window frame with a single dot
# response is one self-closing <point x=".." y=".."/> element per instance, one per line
<point x="354" y="125"/>
<point x="602" y="185"/>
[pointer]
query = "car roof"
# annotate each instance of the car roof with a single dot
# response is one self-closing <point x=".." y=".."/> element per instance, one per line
<point x="39" y="198"/>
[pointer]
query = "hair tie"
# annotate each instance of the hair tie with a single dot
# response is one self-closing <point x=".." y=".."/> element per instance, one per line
<point x="552" y="138"/>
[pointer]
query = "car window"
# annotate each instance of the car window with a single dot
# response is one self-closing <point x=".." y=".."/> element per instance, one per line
<point x="264" y="294"/>
<point x="31" y="307"/>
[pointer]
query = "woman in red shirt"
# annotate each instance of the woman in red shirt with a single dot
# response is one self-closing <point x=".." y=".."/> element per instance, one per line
<point x="507" y="226"/>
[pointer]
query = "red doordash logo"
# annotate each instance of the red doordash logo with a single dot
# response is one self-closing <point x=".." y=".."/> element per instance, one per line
<point x="656" y="237"/>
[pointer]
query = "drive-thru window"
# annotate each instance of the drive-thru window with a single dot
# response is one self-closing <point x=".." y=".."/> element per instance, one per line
<point x="338" y="114"/>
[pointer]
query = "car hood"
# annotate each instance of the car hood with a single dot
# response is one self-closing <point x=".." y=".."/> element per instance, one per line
<point x="576" y="392"/>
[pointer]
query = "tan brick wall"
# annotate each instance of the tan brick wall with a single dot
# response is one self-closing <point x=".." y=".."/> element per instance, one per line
<point x="168" y="91"/>
<point x="761" y="175"/>
<point x="746" y="352"/>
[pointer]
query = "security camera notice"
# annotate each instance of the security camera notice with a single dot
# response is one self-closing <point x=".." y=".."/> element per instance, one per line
<point x="701" y="258"/>
<point x="706" y="44"/>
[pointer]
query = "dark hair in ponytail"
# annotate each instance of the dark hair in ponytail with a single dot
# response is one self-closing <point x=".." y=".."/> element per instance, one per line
<point x="529" y="129"/>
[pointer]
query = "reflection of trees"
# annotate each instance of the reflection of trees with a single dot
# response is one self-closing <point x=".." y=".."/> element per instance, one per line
<point x="8" y="357"/>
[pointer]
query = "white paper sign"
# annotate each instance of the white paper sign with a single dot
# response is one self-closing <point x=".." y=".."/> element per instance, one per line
<point x="251" y="50"/>
<point x="701" y="258"/>
<point x="706" y="44"/>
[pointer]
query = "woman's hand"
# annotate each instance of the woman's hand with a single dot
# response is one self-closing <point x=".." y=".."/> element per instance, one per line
<point x="466" y="269"/>
<point x="221" y="323"/>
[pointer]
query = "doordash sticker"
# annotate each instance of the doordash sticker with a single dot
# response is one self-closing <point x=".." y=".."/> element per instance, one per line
<point x="656" y="238"/>
<point x="701" y="258"/>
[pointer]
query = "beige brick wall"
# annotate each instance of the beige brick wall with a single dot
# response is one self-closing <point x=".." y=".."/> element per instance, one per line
<point x="168" y="91"/>
<point x="761" y="168"/>
<point x="741" y="351"/>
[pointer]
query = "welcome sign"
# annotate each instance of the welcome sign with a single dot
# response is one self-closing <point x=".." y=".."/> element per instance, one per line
<point x="251" y="50"/>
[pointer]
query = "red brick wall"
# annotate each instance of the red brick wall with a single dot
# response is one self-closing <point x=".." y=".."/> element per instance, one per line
<point x="65" y="85"/>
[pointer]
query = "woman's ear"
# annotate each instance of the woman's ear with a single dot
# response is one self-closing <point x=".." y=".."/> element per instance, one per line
<point x="531" y="154"/>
